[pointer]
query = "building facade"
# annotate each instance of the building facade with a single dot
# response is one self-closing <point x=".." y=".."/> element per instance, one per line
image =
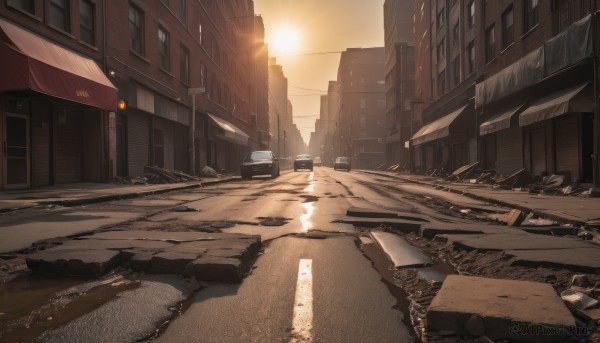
<point x="399" y="79"/>
<point x="179" y="57"/>
<point x="512" y="86"/>
<point x="362" y="109"/>
<point x="278" y="90"/>
<point x="56" y="100"/>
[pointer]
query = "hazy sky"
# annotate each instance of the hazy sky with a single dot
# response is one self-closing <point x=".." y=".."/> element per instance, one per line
<point x="322" y="26"/>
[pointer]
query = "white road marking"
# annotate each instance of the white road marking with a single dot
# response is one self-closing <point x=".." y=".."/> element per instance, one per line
<point x="302" y="320"/>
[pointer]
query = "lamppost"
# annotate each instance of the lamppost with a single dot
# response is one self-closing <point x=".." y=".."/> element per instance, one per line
<point x="193" y="92"/>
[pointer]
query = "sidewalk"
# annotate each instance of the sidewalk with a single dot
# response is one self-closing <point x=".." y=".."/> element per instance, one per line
<point x="565" y="209"/>
<point x="74" y="194"/>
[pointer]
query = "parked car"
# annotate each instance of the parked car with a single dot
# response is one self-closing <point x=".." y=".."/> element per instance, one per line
<point x="342" y="163"/>
<point x="303" y="162"/>
<point x="317" y="162"/>
<point x="260" y="163"/>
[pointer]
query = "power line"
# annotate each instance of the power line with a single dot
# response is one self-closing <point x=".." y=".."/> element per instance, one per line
<point x="312" y="53"/>
<point x="306" y="89"/>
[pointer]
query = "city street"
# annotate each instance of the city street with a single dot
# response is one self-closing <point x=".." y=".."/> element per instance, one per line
<point x="325" y="273"/>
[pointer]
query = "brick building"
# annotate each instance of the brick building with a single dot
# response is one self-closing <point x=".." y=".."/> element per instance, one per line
<point x="69" y="63"/>
<point x="511" y="86"/>
<point x="55" y="98"/>
<point x="399" y="79"/>
<point x="361" y="118"/>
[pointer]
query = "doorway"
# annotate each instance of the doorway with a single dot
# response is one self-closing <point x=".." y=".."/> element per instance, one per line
<point x="14" y="164"/>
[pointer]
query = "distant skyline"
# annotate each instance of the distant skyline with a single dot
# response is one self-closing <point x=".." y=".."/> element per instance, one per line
<point x="324" y="28"/>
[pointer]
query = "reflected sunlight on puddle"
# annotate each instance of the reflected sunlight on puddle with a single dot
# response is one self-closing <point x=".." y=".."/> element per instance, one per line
<point x="311" y="183"/>
<point x="305" y="219"/>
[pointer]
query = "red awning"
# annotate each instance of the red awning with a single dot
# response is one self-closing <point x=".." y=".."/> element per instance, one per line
<point x="32" y="62"/>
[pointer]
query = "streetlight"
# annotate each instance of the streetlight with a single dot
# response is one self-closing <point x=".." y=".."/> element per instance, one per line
<point x="193" y="92"/>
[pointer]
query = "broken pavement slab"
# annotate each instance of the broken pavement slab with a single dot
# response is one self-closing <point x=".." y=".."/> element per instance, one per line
<point x="514" y="241"/>
<point x="90" y="263"/>
<point x="212" y="268"/>
<point x="405" y="226"/>
<point x="498" y="309"/>
<point x="222" y="256"/>
<point x="400" y="252"/>
<point x="362" y="212"/>
<point x="585" y="260"/>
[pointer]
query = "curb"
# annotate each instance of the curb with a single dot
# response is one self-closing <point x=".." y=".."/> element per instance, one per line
<point x="541" y="213"/>
<point x="111" y="197"/>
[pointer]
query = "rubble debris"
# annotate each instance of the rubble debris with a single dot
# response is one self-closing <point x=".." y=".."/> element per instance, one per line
<point x="517" y="179"/>
<point x="208" y="171"/>
<point x="578" y="299"/>
<point x="157" y="175"/>
<point x="514" y="218"/>
<point x="462" y="172"/>
<point x="580" y="280"/>
<point x="138" y="180"/>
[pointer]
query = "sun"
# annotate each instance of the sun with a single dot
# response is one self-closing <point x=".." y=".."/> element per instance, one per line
<point x="286" y="41"/>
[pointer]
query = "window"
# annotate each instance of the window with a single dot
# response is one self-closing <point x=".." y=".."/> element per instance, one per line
<point x="471" y="52"/>
<point x="441" y="50"/>
<point x="136" y="30"/>
<point x="442" y="83"/>
<point x="440" y="19"/>
<point x="471" y="15"/>
<point x="184" y="65"/>
<point x="531" y="14"/>
<point x="163" y="49"/>
<point x="456" y="70"/>
<point x="363" y="103"/>
<point x="363" y="121"/>
<point x="182" y="14"/>
<point x="381" y="103"/>
<point x="455" y="35"/>
<point x="490" y="44"/>
<point x="87" y="27"/>
<point x="24" y="5"/>
<point x="507" y="27"/>
<point x="60" y="15"/>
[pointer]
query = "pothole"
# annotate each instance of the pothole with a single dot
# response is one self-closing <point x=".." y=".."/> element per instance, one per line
<point x="273" y="221"/>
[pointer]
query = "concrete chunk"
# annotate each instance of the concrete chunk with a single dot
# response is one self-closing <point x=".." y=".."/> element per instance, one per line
<point x="580" y="259"/>
<point x="501" y="304"/>
<point x="140" y="261"/>
<point x="515" y="241"/>
<point x="400" y="252"/>
<point x="211" y="268"/>
<point x="92" y="263"/>
<point x="171" y="262"/>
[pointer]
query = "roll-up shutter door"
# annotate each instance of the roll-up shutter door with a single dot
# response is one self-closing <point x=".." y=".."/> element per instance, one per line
<point x="68" y="146"/>
<point x="567" y="147"/>
<point x="509" y="148"/>
<point x="538" y="151"/>
<point x="137" y="143"/>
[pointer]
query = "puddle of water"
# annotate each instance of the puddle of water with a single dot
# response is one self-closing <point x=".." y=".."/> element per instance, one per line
<point x="33" y="305"/>
<point x="306" y="218"/>
<point x="311" y="183"/>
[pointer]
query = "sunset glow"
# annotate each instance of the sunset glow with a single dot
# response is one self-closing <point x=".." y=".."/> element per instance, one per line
<point x="285" y="41"/>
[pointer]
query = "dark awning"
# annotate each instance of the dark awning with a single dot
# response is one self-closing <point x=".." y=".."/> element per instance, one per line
<point x="500" y="120"/>
<point x="231" y="133"/>
<point x="567" y="100"/>
<point x="32" y="62"/>
<point x="436" y="129"/>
